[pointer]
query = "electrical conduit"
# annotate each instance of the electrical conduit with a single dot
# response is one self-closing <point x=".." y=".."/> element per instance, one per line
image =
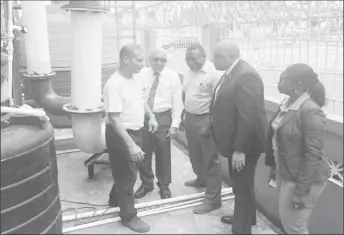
<point x="224" y="192"/>
<point x="10" y="37"/>
<point x="178" y="206"/>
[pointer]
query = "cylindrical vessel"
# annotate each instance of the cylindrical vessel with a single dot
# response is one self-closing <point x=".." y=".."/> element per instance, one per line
<point x="86" y="59"/>
<point x="30" y="200"/>
<point x="39" y="64"/>
<point x="60" y="36"/>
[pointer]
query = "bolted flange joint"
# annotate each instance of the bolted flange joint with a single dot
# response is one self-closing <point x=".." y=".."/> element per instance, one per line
<point x="92" y="6"/>
<point x="37" y="76"/>
<point x="73" y="110"/>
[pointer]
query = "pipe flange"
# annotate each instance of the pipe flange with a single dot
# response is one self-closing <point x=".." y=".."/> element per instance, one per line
<point x="83" y="7"/>
<point x="70" y="109"/>
<point x="37" y="76"/>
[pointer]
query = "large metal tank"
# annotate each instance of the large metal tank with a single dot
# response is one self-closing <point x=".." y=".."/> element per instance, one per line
<point x="30" y="200"/>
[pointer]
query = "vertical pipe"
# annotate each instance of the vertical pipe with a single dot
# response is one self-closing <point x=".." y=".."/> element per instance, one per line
<point x="117" y="26"/>
<point x="300" y="42"/>
<point x="85" y="106"/>
<point x="278" y="41"/>
<point x="317" y="43"/>
<point x="37" y="57"/>
<point x="309" y="32"/>
<point x="86" y="59"/>
<point x="10" y="37"/>
<point x="17" y="85"/>
<point x="292" y="49"/>
<point x="134" y="21"/>
<point x="327" y="36"/>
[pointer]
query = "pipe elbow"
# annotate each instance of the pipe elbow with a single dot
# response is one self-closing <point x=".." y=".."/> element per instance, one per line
<point x="88" y="130"/>
<point x="45" y="96"/>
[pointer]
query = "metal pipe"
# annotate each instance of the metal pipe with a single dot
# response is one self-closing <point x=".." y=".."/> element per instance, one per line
<point x="38" y="58"/>
<point x="10" y="37"/>
<point x="24" y="111"/>
<point x="134" y="20"/>
<point x="224" y="192"/>
<point x="86" y="108"/>
<point x="44" y="94"/>
<point x="179" y="206"/>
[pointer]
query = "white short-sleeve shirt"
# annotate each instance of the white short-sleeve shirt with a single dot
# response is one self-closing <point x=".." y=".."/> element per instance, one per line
<point x="199" y="87"/>
<point x="126" y="97"/>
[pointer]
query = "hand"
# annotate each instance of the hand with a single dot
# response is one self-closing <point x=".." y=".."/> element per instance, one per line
<point x="238" y="161"/>
<point x="172" y="133"/>
<point x="183" y="116"/>
<point x="153" y="124"/>
<point x="272" y="174"/>
<point x="272" y="177"/>
<point x="136" y="153"/>
<point x="205" y="132"/>
<point x="297" y="201"/>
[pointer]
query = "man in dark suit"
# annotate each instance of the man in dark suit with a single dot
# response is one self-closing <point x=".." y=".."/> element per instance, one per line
<point x="238" y="121"/>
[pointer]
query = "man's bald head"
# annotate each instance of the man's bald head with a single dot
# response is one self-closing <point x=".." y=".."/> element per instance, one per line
<point x="225" y="53"/>
<point x="158" y="52"/>
<point x="131" y="57"/>
<point x="228" y="47"/>
<point x="128" y="51"/>
<point x="158" y="59"/>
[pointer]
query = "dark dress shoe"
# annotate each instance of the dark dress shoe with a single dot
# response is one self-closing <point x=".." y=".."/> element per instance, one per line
<point x="228" y="219"/>
<point x="141" y="192"/>
<point x="165" y="193"/>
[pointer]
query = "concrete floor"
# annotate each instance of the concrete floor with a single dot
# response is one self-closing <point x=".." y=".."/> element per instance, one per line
<point x="75" y="186"/>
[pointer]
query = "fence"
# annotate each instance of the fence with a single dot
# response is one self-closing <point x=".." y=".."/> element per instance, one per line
<point x="271" y="35"/>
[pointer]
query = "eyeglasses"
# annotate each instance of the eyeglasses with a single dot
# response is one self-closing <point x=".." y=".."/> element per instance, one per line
<point x="161" y="60"/>
<point x="193" y="59"/>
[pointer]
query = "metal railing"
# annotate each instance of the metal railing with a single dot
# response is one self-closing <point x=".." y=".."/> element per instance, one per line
<point x="271" y="35"/>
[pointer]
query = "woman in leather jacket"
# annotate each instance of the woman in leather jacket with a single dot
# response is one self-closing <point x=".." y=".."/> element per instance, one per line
<point x="295" y="148"/>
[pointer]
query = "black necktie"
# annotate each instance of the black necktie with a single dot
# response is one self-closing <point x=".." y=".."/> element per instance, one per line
<point x="152" y="91"/>
<point x="218" y="87"/>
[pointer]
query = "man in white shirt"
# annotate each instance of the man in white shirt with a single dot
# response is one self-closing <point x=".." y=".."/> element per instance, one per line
<point x="125" y="108"/>
<point x="199" y="86"/>
<point x="164" y="97"/>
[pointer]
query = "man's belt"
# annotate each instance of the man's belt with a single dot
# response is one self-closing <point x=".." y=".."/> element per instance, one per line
<point x="133" y="132"/>
<point x="162" y="113"/>
<point x="199" y="115"/>
<point x="130" y="131"/>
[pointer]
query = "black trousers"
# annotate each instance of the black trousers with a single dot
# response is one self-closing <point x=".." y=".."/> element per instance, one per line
<point x="161" y="145"/>
<point x="245" y="200"/>
<point x="124" y="171"/>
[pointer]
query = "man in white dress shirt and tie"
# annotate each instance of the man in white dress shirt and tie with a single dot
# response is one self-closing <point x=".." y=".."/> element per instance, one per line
<point x="164" y="97"/>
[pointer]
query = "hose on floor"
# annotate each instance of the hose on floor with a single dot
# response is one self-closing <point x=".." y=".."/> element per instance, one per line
<point x="92" y="207"/>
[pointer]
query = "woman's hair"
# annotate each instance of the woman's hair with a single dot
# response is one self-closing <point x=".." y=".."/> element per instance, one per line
<point x="304" y="74"/>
